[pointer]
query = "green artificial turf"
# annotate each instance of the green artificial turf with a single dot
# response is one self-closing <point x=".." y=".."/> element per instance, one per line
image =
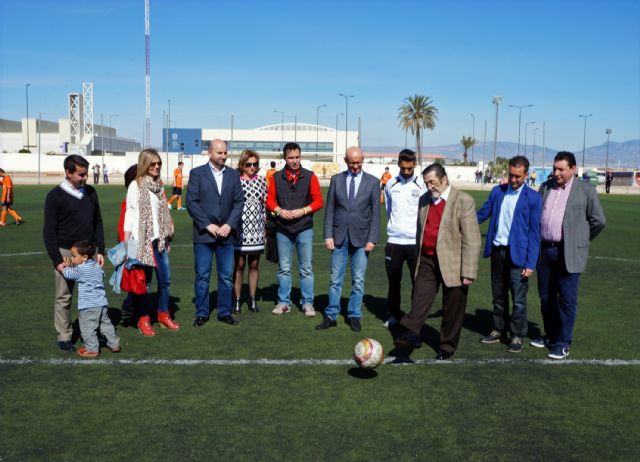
<point x="476" y="411"/>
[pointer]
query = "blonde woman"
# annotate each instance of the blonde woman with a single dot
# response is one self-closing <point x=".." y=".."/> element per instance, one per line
<point x="149" y="227"/>
<point x="251" y="243"/>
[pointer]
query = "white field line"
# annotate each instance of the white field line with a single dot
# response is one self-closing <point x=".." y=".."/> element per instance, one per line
<point x="309" y="362"/>
<point x="22" y="254"/>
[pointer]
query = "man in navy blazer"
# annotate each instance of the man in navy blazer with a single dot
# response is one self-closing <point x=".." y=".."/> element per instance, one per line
<point x="351" y="229"/>
<point x="214" y="201"/>
<point x="513" y="243"/>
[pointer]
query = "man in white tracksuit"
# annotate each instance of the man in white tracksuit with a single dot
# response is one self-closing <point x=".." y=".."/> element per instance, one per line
<point x="402" y="195"/>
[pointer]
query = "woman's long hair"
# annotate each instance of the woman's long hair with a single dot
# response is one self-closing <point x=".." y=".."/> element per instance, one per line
<point x="145" y="158"/>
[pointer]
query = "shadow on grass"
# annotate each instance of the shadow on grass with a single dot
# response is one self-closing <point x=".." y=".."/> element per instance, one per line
<point x="363" y="374"/>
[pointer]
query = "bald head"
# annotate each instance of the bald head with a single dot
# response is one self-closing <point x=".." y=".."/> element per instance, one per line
<point x="218" y="153"/>
<point x="354" y="158"/>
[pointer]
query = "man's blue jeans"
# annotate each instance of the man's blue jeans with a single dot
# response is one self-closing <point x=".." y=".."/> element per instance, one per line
<point x="505" y="278"/>
<point x="224" y="264"/>
<point x="558" y="290"/>
<point x="303" y="244"/>
<point x="339" y="257"/>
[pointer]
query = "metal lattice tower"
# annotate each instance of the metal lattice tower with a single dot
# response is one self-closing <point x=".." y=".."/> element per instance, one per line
<point x="87" y="113"/>
<point x="147" y="77"/>
<point x="75" y="118"/>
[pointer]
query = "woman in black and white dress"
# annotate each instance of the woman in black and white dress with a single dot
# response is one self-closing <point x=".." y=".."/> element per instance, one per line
<point x="251" y="243"/>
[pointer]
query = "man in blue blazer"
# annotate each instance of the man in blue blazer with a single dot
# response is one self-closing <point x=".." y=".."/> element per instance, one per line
<point x="513" y="243"/>
<point x="351" y="229"/>
<point x="214" y="201"/>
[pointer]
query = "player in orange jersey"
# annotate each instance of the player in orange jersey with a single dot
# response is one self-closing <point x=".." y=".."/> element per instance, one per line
<point x="177" y="186"/>
<point x="384" y="179"/>
<point x="270" y="173"/>
<point x="7" y="200"/>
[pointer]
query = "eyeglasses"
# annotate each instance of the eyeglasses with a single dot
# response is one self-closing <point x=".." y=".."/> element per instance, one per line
<point x="155" y="164"/>
<point x="251" y="164"/>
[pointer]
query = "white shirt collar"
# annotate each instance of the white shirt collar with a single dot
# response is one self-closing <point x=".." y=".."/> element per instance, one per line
<point x="71" y="190"/>
<point x="443" y="197"/>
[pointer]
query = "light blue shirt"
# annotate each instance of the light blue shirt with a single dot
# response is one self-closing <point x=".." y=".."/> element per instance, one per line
<point x="90" y="278"/>
<point x="507" y="209"/>
<point x="357" y="177"/>
<point x="217" y="176"/>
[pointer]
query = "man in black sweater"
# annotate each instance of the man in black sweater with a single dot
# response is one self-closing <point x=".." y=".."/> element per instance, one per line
<point x="71" y="214"/>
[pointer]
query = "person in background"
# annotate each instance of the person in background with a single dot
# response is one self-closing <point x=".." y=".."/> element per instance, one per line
<point x="608" y="179"/>
<point x="7" y="200"/>
<point x="132" y="300"/>
<point x="71" y="214"/>
<point x="149" y="227"/>
<point x="96" y="173"/>
<point x="270" y="172"/>
<point x="105" y="174"/>
<point x="384" y="179"/>
<point x="250" y="244"/>
<point x="177" y="186"/>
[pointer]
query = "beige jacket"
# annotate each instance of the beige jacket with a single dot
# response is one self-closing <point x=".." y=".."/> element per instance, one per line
<point x="458" y="245"/>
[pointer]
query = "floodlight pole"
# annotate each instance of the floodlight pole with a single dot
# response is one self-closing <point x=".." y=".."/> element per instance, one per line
<point x="496" y="100"/>
<point x="346" y="119"/>
<point x="318" y="127"/>
<point x="473" y="133"/>
<point x="520" y="108"/>
<point x="584" y="135"/>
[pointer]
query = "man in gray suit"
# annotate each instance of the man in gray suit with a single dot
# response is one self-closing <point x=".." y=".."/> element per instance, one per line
<point x="571" y="217"/>
<point x="351" y="228"/>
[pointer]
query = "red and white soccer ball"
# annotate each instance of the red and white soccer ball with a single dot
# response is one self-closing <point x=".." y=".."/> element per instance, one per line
<point x="368" y="353"/>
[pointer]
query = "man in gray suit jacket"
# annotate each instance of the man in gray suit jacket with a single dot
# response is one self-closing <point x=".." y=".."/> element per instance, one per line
<point x="571" y="217"/>
<point x="351" y="228"/>
<point x="214" y="201"/>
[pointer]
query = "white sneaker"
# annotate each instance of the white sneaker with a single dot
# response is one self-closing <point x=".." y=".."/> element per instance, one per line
<point x="281" y="308"/>
<point x="392" y="321"/>
<point x="308" y="310"/>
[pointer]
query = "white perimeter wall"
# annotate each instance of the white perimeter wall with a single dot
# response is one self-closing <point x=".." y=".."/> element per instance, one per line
<point x="51" y="165"/>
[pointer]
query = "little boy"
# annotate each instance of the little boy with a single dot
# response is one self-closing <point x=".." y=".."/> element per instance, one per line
<point x="92" y="299"/>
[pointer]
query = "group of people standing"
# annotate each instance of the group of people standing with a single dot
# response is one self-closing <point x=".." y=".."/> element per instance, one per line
<point x="433" y="228"/>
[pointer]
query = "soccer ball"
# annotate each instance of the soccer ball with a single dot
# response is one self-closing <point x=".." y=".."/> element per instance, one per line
<point x="368" y="353"/>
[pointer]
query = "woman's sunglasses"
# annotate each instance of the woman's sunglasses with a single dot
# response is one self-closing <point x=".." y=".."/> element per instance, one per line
<point x="251" y="164"/>
<point x="155" y="164"/>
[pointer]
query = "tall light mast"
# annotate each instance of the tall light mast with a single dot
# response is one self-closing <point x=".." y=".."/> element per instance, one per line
<point x="147" y="76"/>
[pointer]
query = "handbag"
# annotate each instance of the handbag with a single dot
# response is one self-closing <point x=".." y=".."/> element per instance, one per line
<point x="134" y="280"/>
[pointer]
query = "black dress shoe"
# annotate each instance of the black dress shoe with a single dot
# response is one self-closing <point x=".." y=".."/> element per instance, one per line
<point x="354" y="323"/>
<point x="228" y="319"/>
<point x="253" y="306"/>
<point x="408" y="340"/>
<point x="66" y="346"/>
<point x="236" y="307"/>
<point x="326" y="323"/>
<point x="199" y="321"/>
<point x="444" y="355"/>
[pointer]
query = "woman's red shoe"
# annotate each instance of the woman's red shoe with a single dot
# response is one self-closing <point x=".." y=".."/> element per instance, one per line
<point x="144" y="327"/>
<point x="164" y="318"/>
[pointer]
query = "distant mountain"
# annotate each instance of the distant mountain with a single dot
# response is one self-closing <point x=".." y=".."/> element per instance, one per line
<point x="627" y="152"/>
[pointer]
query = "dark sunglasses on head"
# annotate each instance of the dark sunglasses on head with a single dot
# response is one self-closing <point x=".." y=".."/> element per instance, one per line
<point x="251" y="164"/>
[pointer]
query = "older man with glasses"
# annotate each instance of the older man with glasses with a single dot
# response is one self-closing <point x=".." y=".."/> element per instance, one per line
<point x="351" y="229"/>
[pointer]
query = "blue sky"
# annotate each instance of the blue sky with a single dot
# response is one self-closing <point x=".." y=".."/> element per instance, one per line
<point x="249" y="58"/>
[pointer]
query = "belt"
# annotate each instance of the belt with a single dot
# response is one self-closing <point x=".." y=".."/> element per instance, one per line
<point x="546" y="245"/>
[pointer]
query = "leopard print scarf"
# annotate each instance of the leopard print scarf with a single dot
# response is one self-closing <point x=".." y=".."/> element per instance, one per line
<point x="148" y="186"/>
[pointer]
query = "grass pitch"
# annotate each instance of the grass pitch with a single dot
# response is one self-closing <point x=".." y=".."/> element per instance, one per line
<point x="468" y="410"/>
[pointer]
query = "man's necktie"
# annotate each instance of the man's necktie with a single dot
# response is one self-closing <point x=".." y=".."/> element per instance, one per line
<point x="352" y="191"/>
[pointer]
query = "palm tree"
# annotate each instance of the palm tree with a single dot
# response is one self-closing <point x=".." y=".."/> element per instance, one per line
<point x="467" y="142"/>
<point x="416" y="113"/>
